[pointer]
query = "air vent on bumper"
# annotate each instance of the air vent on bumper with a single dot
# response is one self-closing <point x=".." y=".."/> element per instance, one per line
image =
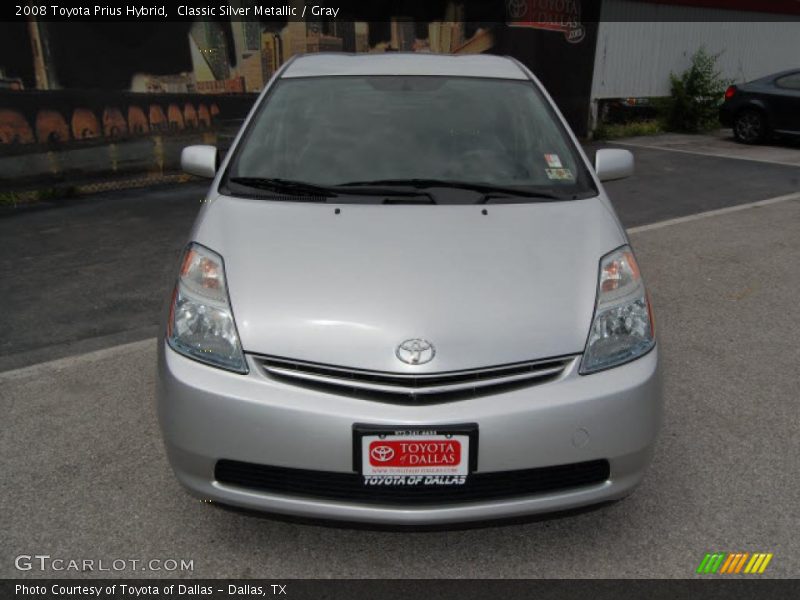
<point x="347" y="487"/>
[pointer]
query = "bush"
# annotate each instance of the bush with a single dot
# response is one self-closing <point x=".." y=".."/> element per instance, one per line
<point x="696" y="94"/>
<point x="612" y="131"/>
<point x="12" y="198"/>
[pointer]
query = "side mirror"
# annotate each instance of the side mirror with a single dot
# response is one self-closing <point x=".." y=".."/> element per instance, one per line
<point x="611" y="164"/>
<point x="200" y="160"/>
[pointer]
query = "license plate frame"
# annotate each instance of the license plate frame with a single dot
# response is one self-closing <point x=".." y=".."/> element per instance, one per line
<point x="468" y="430"/>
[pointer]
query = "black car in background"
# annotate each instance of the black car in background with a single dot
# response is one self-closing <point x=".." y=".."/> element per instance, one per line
<point x="764" y="107"/>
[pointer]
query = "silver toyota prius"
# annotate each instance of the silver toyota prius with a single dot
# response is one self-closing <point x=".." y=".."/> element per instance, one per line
<point x="407" y="300"/>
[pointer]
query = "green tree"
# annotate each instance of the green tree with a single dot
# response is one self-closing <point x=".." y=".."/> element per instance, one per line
<point x="696" y="94"/>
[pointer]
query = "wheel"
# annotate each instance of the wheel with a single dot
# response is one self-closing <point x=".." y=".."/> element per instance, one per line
<point x="750" y="127"/>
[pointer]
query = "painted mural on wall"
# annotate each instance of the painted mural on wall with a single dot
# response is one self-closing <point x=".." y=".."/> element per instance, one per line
<point x="59" y="121"/>
<point x="51" y="107"/>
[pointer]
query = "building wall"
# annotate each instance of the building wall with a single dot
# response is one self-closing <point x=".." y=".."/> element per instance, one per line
<point x="639" y="44"/>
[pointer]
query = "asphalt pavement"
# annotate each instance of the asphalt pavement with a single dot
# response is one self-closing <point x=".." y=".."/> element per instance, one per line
<point x="97" y="272"/>
<point x="85" y="476"/>
<point x="721" y="144"/>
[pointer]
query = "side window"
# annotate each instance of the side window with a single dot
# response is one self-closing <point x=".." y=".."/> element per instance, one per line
<point x="789" y="82"/>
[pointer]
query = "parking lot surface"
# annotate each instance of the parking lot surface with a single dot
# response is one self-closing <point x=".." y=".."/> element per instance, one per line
<point x="97" y="272"/>
<point x="86" y="477"/>
<point x="720" y="144"/>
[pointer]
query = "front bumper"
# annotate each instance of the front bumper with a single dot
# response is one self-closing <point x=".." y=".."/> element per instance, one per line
<point x="207" y="414"/>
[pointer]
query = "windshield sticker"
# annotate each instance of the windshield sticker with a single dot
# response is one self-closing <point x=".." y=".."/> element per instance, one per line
<point x="553" y="161"/>
<point x="560" y="174"/>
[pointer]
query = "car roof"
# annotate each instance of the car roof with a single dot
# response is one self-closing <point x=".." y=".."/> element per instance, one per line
<point x="403" y="63"/>
<point x="777" y="75"/>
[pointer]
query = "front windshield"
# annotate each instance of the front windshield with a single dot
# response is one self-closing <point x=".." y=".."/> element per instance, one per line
<point x="346" y="130"/>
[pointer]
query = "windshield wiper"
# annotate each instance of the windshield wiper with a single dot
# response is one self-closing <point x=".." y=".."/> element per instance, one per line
<point x="491" y="191"/>
<point x="498" y="195"/>
<point x="301" y="188"/>
<point x="285" y="186"/>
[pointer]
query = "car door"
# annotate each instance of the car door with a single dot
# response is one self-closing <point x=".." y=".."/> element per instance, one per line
<point x="785" y="101"/>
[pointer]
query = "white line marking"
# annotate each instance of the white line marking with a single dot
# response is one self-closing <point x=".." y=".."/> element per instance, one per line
<point x="77" y="359"/>
<point x="715" y="213"/>
<point x="713" y="154"/>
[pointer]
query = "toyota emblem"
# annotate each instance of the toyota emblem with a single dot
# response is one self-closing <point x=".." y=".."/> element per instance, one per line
<point x="517" y="8"/>
<point x="382" y="453"/>
<point x="416" y="351"/>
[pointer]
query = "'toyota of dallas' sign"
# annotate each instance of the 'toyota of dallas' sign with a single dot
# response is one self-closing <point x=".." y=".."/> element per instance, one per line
<point x="552" y="15"/>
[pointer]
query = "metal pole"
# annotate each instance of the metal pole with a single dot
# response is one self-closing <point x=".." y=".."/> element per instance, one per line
<point x="42" y="80"/>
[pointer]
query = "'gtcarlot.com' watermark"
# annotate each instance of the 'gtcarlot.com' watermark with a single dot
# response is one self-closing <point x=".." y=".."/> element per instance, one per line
<point x="45" y="562"/>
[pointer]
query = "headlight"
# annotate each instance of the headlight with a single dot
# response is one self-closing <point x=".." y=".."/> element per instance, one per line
<point x="201" y="324"/>
<point x="622" y="329"/>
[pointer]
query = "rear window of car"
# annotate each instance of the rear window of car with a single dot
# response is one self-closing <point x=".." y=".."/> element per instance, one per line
<point x="338" y="130"/>
<point x="789" y="82"/>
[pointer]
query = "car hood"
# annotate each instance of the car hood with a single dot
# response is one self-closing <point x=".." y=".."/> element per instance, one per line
<point x="515" y="284"/>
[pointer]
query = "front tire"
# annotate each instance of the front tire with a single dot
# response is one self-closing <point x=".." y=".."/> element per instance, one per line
<point x="750" y="127"/>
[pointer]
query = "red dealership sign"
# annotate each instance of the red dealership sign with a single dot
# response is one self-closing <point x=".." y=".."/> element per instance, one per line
<point x="551" y="15"/>
<point x="415" y="453"/>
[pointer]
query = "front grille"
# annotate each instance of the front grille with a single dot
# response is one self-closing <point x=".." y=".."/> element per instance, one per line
<point x="349" y="487"/>
<point x="422" y="387"/>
